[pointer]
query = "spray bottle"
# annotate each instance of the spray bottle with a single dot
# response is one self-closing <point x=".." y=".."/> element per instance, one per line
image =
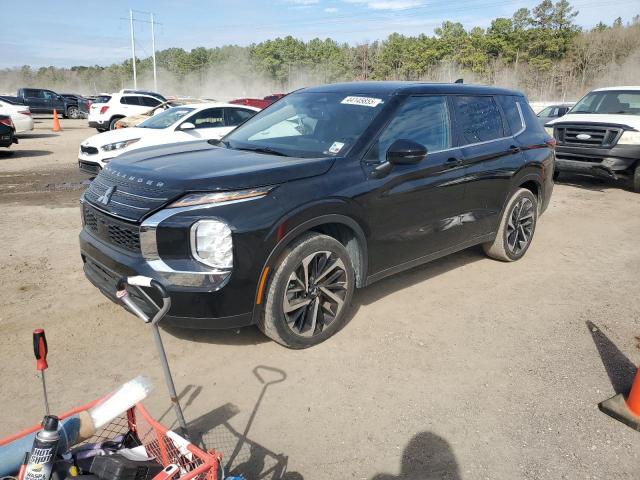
<point x="43" y="452"/>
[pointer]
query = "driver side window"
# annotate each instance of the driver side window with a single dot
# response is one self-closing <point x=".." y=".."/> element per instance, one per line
<point x="423" y="119"/>
<point x="209" y="118"/>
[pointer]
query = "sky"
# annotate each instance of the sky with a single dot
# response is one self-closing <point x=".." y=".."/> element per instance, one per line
<point x="70" y="32"/>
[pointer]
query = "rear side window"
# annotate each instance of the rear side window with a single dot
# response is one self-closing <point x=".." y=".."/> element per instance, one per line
<point x="130" y="100"/>
<point x="236" y="116"/>
<point x="33" y="93"/>
<point x="150" y="101"/>
<point x="209" y="118"/>
<point x="509" y="105"/>
<point x="422" y="119"/>
<point x="478" y="118"/>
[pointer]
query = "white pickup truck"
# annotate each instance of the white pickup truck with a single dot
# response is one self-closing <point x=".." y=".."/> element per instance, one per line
<point x="601" y="135"/>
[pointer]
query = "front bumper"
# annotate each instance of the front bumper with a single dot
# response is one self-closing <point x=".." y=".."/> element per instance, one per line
<point x="603" y="162"/>
<point x="197" y="301"/>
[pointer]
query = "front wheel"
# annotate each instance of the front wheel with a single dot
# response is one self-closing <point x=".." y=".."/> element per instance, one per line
<point x="73" y="112"/>
<point x="309" y="293"/>
<point x="517" y="227"/>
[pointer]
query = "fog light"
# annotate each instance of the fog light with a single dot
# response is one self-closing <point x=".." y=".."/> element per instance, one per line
<point x="212" y="244"/>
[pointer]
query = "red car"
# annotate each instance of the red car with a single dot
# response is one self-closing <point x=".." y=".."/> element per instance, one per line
<point x="259" y="102"/>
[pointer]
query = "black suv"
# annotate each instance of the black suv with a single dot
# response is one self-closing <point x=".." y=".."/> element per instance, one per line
<point x="329" y="189"/>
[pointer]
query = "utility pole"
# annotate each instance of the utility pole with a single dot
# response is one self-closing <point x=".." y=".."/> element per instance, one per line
<point x="133" y="49"/>
<point x="153" y="54"/>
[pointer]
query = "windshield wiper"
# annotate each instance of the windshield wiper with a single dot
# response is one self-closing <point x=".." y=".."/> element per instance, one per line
<point x="267" y="150"/>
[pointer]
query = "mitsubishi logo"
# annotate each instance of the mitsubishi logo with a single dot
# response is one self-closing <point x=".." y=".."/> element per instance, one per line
<point x="105" y="198"/>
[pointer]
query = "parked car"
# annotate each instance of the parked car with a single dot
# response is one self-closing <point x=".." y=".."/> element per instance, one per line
<point x="41" y="100"/>
<point x="134" y="120"/>
<point x="600" y="135"/>
<point x="100" y="98"/>
<point x="7" y="131"/>
<point x="20" y="115"/>
<point x="103" y="116"/>
<point x="554" y="111"/>
<point x="278" y="229"/>
<point x="11" y="99"/>
<point x="83" y="103"/>
<point x="178" y="124"/>
<point x="260" y="103"/>
<point x="144" y="92"/>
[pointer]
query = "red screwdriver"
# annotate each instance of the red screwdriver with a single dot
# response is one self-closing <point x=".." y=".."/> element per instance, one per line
<point x="40" y="351"/>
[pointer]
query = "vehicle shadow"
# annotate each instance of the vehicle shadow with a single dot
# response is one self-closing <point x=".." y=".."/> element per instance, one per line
<point x="426" y="457"/>
<point x="368" y="295"/>
<point x="419" y="274"/>
<point x="241" y="455"/>
<point x="595" y="184"/>
<point x="620" y="370"/>
<point x="23" y="153"/>
<point x="27" y="136"/>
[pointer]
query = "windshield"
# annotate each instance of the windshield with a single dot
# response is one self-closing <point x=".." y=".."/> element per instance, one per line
<point x="618" y="101"/>
<point x="166" y="118"/>
<point x="308" y="125"/>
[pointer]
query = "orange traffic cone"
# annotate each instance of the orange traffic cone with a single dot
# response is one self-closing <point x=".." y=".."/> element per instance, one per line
<point x="56" y="122"/>
<point x="626" y="411"/>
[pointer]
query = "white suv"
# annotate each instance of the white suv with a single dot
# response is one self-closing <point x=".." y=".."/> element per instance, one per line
<point x="600" y="135"/>
<point x="103" y="116"/>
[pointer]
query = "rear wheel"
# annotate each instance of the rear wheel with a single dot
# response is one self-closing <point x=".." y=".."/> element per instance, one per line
<point x="112" y="124"/>
<point x="636" y="178"/>
<point x="516" y="229"/>
<point x="309" y="293"/>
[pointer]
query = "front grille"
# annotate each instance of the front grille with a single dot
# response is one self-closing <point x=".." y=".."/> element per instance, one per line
<point x="89" y="167"/>
<point x="88" y="150"/>
<point x="600" y="136"/>
<point x="113" y="231"/>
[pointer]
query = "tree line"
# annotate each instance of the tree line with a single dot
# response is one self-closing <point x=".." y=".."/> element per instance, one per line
<point x="541" y="51"/>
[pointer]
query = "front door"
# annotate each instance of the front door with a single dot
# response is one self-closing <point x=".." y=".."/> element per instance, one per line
<point x="209" y="123"/>
<point x="415" y="210"/>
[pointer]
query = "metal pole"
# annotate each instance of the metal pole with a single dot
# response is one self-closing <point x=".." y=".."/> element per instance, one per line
<point x="153" y="50"/>
<point x="169" y="381"/>
<point x="133" y="49"/>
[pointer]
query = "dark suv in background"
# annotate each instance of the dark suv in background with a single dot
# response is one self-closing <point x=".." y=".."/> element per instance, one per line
<point x="329" y="189"/>
<point x="41" y="100"/>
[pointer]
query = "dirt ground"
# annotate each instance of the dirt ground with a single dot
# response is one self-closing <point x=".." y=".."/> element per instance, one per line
<point x="465" y="368"/>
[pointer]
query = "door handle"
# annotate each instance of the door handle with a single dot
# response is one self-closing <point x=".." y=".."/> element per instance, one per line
<point x="453" y="161"/>
<point x="514" y="149"/>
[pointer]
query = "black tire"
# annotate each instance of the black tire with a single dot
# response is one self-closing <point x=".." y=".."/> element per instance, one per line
<point x="73" y="113"/>
<point x="517" y="228"/>
<point x="100" y="130"/>
<point x="636" y="179"/>
<point x="321" y="314"/>
<point x="112" y="123"/>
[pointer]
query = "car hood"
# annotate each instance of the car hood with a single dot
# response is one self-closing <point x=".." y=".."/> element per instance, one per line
<point x="199" y="166"/>
<point x="120" y="135"/>
<point x="632" y="121"/>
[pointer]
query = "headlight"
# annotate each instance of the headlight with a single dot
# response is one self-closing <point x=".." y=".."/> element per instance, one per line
<point x="211" y="244"/>
<point x="630" y="138"/>
<point x="219" y="197"/>
<point x="118" y="145"/>
<point x="549" y="130"/>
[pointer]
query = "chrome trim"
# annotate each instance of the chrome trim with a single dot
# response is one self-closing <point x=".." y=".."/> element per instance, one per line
<point x="522" y="120"/>
<point x="107" y="212"/>
<point x="129" y="206"/>
<point x="158" y="199"/>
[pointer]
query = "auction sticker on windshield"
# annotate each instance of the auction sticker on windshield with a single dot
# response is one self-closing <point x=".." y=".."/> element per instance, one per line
<point x="336" y="147"/>
<point x="362" y="101"/>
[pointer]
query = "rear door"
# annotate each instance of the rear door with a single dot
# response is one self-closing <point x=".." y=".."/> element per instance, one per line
<point x="36" y="100"/>
<point x="209" y="123"/>
<point x="415" y="210"/>
<point x="491" y="154"/>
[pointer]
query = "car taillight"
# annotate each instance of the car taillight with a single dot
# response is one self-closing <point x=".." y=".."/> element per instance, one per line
<point x="25" y="112"/>
<point x="104" y="109"/>
<point x="7" y="121"/>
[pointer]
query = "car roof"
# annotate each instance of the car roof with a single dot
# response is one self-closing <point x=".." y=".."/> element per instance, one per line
<point x="202" y="106"/>
<point x="408" y="88"/>
<point x="605" y="89"/>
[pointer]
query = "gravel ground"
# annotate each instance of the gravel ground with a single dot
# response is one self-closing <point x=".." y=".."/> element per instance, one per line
<point x="465" y="368"/>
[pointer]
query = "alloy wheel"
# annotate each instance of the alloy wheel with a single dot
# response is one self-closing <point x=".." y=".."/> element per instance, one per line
<point x="315" y="293"/>
<point x="520" y="226"/>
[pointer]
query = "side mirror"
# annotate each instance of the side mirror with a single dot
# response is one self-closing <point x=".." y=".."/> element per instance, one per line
<point x="187" y="126"/>
<point x="406" y="152"/>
